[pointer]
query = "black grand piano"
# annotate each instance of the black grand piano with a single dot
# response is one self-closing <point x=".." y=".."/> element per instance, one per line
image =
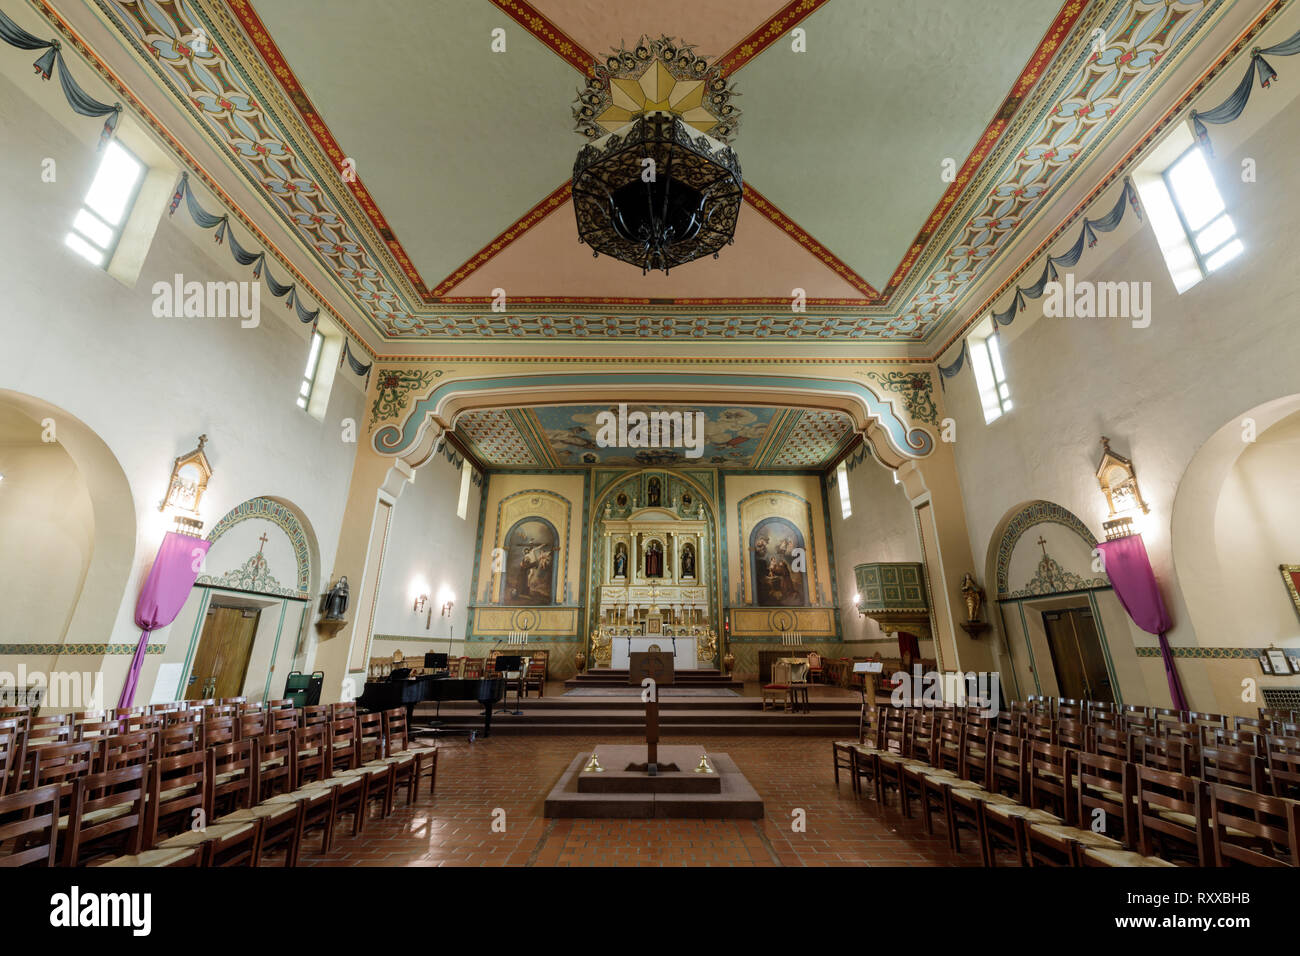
<point x="402" y="690"/>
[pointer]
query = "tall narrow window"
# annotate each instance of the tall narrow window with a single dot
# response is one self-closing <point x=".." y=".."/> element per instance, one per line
<point x="990" y="378"/>
<point x="97" y="227"/>
<point x="1201" y="210"/>
<point x="462" y="506"/>
<point x="313" y="366"/>
<point x="842" y="479"/>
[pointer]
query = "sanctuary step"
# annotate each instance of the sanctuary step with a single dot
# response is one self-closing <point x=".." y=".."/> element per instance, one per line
<point x="610" y="677"/>
<point x="678" y="717"/>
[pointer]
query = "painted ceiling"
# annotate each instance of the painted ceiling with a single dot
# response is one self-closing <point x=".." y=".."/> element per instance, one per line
<point x="462" y="155"/>
<point x="571" y="436"/>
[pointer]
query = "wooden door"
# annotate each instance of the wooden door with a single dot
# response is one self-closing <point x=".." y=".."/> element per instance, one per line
<point x="225" y="646"/>
<point x="1077" y="655"/>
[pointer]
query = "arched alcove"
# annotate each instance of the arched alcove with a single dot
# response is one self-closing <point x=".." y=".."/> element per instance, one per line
<point x="74" y="562"/>
<point x="1236" y="518"/>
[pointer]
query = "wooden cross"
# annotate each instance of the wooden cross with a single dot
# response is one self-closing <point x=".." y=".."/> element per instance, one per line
<point x="652" y="731"/>
<point x="262" y="539"/>
<point x="1042" y="543"/>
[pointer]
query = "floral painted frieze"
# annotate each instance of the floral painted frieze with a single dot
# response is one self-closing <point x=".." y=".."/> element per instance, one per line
<point x="394" y="386"/>
<point x="917" y="391"/>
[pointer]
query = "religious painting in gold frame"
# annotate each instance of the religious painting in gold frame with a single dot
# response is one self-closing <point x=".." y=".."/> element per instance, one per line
<point x="1291" y="577"/>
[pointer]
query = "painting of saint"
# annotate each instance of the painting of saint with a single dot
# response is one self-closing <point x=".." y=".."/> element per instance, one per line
<point x="530" y="563"/>
<point x="779" y="562"/>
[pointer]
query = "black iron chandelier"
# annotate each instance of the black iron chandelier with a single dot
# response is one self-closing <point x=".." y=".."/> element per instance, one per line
<point x="655" y="188"/>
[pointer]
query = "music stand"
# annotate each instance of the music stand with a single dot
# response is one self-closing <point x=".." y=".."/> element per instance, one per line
<point x="865" y="667"/>
<point x="436" y="662"/>
<point x="507" y="664"/>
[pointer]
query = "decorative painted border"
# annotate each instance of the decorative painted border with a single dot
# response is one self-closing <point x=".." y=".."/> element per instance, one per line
<point x="767" y="34"/>
<point x="564" y="46"/>
<point x="1036" y="512"/>
<point x="913" y="442"/>
<point x="1117" y="172"/>
<point x="108" y="77"/>
<point x="1216" y="653"/>
<point x="80" y="650"/>
<point x="284" y="519"/>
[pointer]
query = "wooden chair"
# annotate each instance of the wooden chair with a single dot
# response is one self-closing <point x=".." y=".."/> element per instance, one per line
<point x="965" y="799"/>
<point x="314" y="714"/>
<point x="29" y="827"/>
<point x="1108" y="742"/>
<point x="51" y="729"/>
<point x="313" y="756"/>
<point x="370" y="737"/>
<point x="535" y="678"/>
<point x="253" y="723"/>
<point x="816" y="671"/>
<point x="1163" y="753"/>
<point x="1107" y="804"/>
<point x="895" y="741"/>
<point x="277" y="769"/>
<point x="179" y="739"/>
<point x="281" y="824"/>
<point x="1008" y="770"/>
<point x="473" y="669"/>
<point x="1039" y="727"/>
<point x="59" y="764"/>
<point x="13" y="746"/>
<point x="107" y="805"/>
<point x="1253" y="829"/>
<point x="1071" y="709"/>
<point x="179" y="796"/>
<point x="1072" y="734"/>
<point x="842" y="750"/>
<point x="1233" y="767"/>
<point x="1249" y="723"/>
<point x="399" y="742"/>
<point x="1207" y="720"/>
<point x="924" y="736"/>
<point x="345" y="744"/>
<point x="1173" y="818"/>
<point x="220" y="730"/>
<point x="1284" y="770"/>
<point x="945" y="764"/>
<point x="778" y="689"/>
<point x="125" y="750"/>
<point x="233" y="769"/>
<point x="1047" y="779"/>
<point x="149" y="723"/>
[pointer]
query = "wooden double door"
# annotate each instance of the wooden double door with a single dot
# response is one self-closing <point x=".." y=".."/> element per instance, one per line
<point x="221" y="662"/>
<point x="1077" y="655"/>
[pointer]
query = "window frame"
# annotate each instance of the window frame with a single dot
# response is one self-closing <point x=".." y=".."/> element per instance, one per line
<point x="996" y="371"/>
<point x="312" y="372"/>
<point x="127" y="208"/>
<point x="1191" y="234"/>
<point x="842" y="483"/>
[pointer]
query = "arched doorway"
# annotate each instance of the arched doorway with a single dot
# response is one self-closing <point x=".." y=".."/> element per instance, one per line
<point x="1065" y="633"/>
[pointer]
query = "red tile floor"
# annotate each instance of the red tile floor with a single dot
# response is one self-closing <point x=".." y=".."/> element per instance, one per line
<point x="503" y="781"/>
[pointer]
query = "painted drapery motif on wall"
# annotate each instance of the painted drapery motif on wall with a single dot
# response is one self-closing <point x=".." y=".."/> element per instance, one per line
<point x="779" y="562"/>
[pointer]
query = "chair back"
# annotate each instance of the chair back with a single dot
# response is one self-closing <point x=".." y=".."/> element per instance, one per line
<point x="1104" y="788"/>
<point x="101" y="798"/>
<point x="1267" y="829"/>
<point x="29" y="827"/>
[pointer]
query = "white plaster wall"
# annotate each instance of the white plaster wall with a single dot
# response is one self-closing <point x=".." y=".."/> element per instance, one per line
<point x="47" y="531"/>
<point x="1223" y="347"/>
<point x="81" y="340"/>
<point x="881" y="528"/>
<point x="429" y="548"/>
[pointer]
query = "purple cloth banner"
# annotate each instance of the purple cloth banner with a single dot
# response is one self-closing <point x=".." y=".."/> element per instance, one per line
<point x="170" y="579"/>
<point x="1129" y="570"/>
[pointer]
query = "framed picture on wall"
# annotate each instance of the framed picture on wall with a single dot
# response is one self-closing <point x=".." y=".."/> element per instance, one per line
<point x="1265" y="664"/>
<point x="1281" y="663"/>
<point x="1291" y="578"/>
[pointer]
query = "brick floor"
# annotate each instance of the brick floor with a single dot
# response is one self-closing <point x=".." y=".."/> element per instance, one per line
<point x="505" y="779"/>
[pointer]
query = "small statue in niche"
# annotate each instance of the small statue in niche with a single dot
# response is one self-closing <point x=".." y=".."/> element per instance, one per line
<point x="688" y="561"/>
<point x="654" y="560"/>
<point x="335" y="602"/>
<point x="620" y="561"/>
<point x="653" y="493"/>
<point x="974" y="596"/>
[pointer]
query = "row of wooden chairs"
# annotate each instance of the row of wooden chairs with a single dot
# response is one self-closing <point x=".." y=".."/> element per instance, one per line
<point x="1056" y="805"/>
<point x="221" y="805"/>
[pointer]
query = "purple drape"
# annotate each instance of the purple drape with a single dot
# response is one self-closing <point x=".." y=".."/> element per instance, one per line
<point x="1129" y="570"/>
<point x="170" y="579"/>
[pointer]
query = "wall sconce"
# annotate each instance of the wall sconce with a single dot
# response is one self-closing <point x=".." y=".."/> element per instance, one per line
<point x="420" y="602"/>
<point x="1118" y="482"/>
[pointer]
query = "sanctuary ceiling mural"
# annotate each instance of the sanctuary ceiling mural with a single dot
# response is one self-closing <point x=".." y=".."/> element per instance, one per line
<point x="573" y="436"/>
<point x="421" y="151"/>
